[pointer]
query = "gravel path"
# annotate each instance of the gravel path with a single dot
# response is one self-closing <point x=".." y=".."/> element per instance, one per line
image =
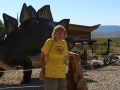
<point x="107" y="78"/>
<point x="12" y="78"/>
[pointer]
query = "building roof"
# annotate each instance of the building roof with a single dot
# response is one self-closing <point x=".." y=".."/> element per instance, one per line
<point x="78" y="30"/>
<point x="83" y="28"/>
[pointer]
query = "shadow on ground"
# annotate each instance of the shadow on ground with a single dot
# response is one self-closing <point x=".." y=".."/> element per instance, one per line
<point x="36" y="84"/>
<point x="90" y="81"/>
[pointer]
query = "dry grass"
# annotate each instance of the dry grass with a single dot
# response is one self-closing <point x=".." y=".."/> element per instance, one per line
<point x="116" y="50"/>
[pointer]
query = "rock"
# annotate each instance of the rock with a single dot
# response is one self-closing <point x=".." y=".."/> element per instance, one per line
<point x="78" y="76"/>
<point x="95" y="62"/>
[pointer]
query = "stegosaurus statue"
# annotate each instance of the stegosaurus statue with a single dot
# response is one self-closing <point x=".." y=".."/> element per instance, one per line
<point x="25" y="39"/>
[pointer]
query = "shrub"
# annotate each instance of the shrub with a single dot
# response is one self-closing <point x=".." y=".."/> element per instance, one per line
<point x="80" y="52"/>
<point x="102" y="50"/>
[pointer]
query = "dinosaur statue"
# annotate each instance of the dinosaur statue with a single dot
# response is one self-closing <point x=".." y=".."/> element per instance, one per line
<point x="2" y="35"/>
<point x="25" y="40"/>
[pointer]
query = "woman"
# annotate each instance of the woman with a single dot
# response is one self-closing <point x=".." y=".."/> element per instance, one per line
<point x="54" y="70"/>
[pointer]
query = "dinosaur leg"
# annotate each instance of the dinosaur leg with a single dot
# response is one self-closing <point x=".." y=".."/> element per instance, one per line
<point x="27" y="65"/>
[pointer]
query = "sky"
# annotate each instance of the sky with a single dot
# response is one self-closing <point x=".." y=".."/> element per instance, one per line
<point x="80" y="12"/>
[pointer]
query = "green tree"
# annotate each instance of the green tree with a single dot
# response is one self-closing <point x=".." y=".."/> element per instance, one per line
<point x="2" y="27"/>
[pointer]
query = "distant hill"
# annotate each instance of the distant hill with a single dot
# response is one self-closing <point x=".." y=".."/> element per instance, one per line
<point x="106" y="31"/>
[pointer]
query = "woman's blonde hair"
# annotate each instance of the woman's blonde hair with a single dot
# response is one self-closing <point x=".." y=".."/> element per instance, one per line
<point x="59" y="27"/>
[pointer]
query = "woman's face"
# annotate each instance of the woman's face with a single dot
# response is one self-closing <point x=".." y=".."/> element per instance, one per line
<point x="59" y="35"/>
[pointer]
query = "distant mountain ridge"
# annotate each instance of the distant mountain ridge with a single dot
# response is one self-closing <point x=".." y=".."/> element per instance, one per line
<point x="106" y="31"/>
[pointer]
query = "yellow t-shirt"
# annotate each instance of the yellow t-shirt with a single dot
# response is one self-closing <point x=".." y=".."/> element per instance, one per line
<point x="55" y="66"/>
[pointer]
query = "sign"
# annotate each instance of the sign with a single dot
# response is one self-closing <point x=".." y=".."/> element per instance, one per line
<point x="81" y="38"/>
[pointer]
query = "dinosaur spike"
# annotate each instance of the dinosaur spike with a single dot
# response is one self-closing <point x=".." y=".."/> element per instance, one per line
<point x="33" y="18"/>
<point x="10" y="23"/>
<point x="32" y="11"/>
<point x="45" y="13"/>
<point x="64" y="22"/>
<point x="25" y="15"/>
<point x="10" y="26"/>
<point x="7" y="17"/>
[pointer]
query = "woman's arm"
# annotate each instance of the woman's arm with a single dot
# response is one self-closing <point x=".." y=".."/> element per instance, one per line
<point x="43" y="66"/>
<point x="43" y="60"/>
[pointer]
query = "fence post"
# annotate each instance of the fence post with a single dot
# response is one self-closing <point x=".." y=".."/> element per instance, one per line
<point x="85" y="55"/>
